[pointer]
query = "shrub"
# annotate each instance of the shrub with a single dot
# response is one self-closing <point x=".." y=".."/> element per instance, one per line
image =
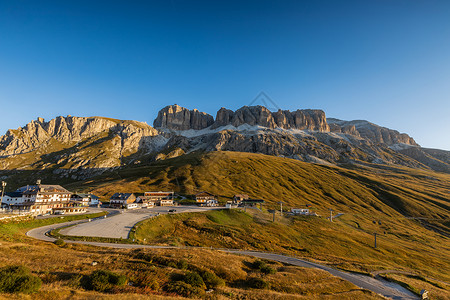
<point x="259" y="264"/>
<point x="268" y="270"/>
<point x="211" y="280"/>
<point x="183" y="289"/>
<point x="194" y="279"/>
<point x="257" y="283"/>
<point x="59" y="242"/>
<point x="263" y="267"/>
<point x="18" y="279"/>
<point x="104" y="280"/>
<point x="182" y="264"/>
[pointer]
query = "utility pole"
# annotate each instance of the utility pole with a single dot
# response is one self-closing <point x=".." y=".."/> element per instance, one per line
<point x="273" y="219"/>
<point x="375" y="233"/>
<point x="281" y="207"/>
<point x="3" y="191"/>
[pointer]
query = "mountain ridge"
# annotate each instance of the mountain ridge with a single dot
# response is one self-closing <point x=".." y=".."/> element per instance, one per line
<point x="77" y="145"/>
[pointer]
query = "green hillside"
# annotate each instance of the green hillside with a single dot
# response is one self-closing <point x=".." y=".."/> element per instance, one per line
<point x="392" y="196"/>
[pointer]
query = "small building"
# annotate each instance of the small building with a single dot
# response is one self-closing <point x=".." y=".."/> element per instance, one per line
<point x="12" y="198"/>
<point x="72" y="208"/>
<point x="80" y="198"/>
<point x="237" y="199"/>
<point x="164" y="202"/>
<point x="206" y="199"/>
<point x="230" y="205"/>
<point x="133" y="205"/>
<point x="120" y="200"/>
<point x="300" y="211"/>
<point x="160" y="198"/>
<point x="252" y="203"/>
<point x="145" y="201"/>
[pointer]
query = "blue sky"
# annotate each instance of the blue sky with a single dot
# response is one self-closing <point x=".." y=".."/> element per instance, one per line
<point x="384" y="61"/>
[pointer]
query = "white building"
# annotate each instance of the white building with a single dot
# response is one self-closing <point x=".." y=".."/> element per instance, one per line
<point x="12" y="198"/>
<point x="300" y="211"/>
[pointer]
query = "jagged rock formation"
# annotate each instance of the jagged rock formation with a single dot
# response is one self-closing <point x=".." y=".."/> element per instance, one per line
<point x="370" y="131"/>
<point x="78" y="148"/>
<point x="306" y="119"/>
<point x="179" y="118"/>
<point x="310" y="119"/>
<point x="68" y="143"/>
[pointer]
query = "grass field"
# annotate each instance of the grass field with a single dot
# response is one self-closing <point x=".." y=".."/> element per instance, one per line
<point x="408" y="208"/>
<point x="154" y="273"/>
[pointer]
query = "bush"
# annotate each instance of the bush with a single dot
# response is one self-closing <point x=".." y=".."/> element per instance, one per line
<point x="18" y="279"/>
<point x="268" y="270"/>
<point x="183" y="289"/>
<point x="104" y="281"/>
<point x="182" y="264"/>
<point x="59" y="242"/>
<point x="259" y="264"/>
<point x="194" y="279"/>
<point x="263" y="267"/>
<point x="211" y="280"/>
<point x="257" y="283"/>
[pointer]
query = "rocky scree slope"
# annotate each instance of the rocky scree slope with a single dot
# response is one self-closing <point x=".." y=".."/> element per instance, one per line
<point x="79" y="148"/>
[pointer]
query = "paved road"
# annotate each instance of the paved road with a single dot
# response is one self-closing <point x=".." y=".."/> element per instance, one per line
<point x="120" y="225"/>
<point x="382" y="287"/>
<point x="379" y="286"/>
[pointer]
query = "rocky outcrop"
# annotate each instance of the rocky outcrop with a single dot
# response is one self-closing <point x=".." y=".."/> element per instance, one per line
<point x="176" y="117"/>
<point x="69" y="130"/>
<point x="304" y="119"/>
<point x="307" y="119"/>
<point x="370" y="131"/>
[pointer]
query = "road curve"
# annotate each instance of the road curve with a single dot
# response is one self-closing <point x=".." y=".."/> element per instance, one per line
<point x="379" y="286"/>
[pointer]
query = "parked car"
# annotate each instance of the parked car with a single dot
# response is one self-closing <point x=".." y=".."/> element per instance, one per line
<point x="172" y="210"/>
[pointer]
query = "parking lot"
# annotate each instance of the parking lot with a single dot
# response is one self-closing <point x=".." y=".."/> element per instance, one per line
<point x="119" y="225"/>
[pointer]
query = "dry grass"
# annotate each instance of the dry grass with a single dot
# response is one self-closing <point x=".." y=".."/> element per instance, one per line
<point x="60" y="269"/>
<point x="437" y="289"/>
<point x="337" y="243"/>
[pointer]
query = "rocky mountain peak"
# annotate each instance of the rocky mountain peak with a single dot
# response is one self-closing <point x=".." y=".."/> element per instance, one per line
<point x="67" y="130"/>
<point x="370" y="131"/>
<point x="176" y="117"/>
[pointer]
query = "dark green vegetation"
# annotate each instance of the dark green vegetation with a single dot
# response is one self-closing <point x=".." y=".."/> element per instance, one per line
<point x="18" y="279"/>
<point x="103" y="281"/>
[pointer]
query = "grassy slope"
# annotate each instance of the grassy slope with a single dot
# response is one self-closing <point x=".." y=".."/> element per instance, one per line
<point x="363" y="193"/>
<point x="151" y="270"/>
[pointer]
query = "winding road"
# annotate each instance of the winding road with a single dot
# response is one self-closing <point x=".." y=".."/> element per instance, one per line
<point x="125" y="221"/>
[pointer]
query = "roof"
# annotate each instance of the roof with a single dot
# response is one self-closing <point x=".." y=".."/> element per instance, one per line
<point x="121" y="196"/>
<point x="43" y="188"/>
<point x="14" y="194"/>
<point x="253" y="201"/>
<point x="146" y="198"/>
<point x="204" y="194"/>
<point x="158" y="193"/>
<point x="241" y="196"/>
<point x="83" y="195"/>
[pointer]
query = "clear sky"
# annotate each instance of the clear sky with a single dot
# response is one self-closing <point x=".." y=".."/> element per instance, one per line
<point x="383" y="61"/>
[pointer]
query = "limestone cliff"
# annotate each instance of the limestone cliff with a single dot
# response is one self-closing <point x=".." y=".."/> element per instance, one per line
<point x="307" y="119"/>
<point x="370" y="131"/>
<point x="176" y="117"/>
